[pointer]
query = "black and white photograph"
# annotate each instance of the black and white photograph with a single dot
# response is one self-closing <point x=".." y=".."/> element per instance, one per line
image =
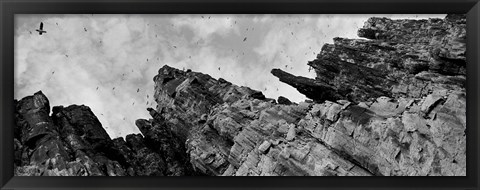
<point x="240" y="95"/>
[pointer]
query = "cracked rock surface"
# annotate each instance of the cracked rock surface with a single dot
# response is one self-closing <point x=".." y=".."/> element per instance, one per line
<point x="392" y="104"/>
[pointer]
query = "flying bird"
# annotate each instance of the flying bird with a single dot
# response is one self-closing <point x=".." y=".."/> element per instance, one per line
<point x="40" y="30"/>
<point x="85" y="29"/>
<point x="174" y="46"/>
<point x="138" y="89"/>
<point x="219" y="68"/>
<point x="245" y="39"/>
<point x="97" y="87"/>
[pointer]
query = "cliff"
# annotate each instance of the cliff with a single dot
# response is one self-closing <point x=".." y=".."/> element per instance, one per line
<point x="392" y="104"/>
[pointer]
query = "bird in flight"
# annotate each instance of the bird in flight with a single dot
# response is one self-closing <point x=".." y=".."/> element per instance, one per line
<point x="245" y="39"/>
<point x="40" y="30"/>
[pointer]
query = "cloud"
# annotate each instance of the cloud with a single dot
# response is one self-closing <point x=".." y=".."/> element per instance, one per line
<point x="204" y="26"/>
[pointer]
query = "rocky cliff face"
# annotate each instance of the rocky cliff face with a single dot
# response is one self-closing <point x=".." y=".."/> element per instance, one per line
<point x="391" y="104"/>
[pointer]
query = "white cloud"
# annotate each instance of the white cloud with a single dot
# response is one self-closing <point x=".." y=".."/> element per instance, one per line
<point x="204" y="26"/>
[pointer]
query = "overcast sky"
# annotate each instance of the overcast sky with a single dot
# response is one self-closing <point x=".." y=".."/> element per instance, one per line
<point x="120" y="54"/>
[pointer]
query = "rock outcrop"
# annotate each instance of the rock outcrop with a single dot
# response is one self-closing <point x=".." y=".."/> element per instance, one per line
<point x="390" y="105"/>
<point x="72" y="142"/>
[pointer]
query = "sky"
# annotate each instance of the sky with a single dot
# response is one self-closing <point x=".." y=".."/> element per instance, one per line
<point x="101" y="61"/>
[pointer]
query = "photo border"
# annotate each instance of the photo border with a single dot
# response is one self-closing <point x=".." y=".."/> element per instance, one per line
<point x="9" y="8"/>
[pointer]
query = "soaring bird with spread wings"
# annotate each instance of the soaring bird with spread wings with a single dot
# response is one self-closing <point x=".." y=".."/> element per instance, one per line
<point x="40" y="30"/>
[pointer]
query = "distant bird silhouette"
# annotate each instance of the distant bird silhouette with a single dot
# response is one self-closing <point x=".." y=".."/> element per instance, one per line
<point x="85" y="29"/>
<point x="113" y="88"/>
<point x="66" y="55"/>
<point x="174" y="46"/>
<point x="138" y="89"/>
<point x="245" y="39"/>
<point x="97" y="87"/>
<point x="40" y="30"/>
<point x="219" y="68"/>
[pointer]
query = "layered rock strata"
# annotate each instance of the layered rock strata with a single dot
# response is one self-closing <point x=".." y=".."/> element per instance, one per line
<point x="390" y="105"/>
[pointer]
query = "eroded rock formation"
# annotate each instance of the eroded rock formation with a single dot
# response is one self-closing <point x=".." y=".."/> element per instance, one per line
<point x="391" y="104"/>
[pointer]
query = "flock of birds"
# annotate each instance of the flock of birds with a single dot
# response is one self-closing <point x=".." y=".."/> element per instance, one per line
<point x="41" y="30"/>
